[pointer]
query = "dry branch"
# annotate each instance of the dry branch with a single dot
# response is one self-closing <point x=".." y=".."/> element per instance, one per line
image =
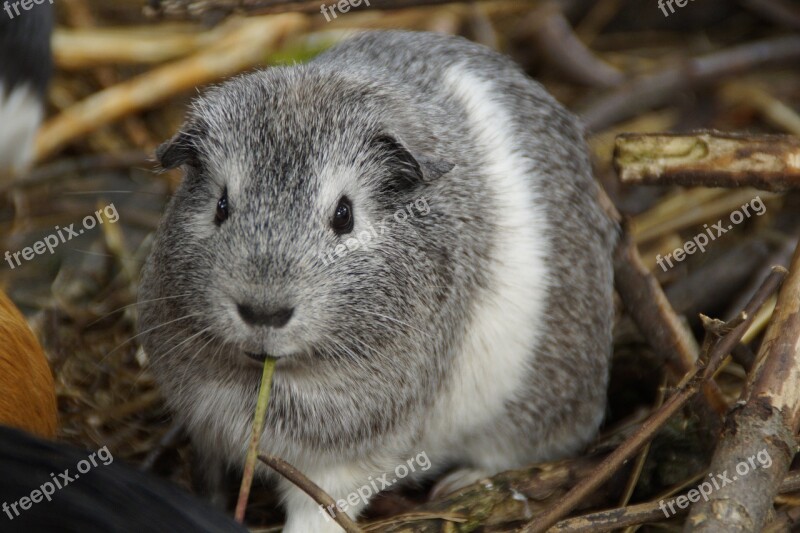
<point x="691" y="384"/>
<point x="75" y="49"/>
<point x="751" y="95"/>
<point x="310" y="488"/>
<point x="247" y="47"/>
<point x="565" y="51"/>
<point x="653" y="90"/>
<point x="204" y="8"/>
<point x="506" y="497"/>
<point x="777" y="11"/>
<point x="765" y="421"/>
<point x="87" y="164"/>
<point x="642" y="513"/>
<point x="710" y="159"/>
<point x="650" y="309"/>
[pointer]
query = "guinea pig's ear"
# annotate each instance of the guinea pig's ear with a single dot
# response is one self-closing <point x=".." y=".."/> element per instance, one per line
<point x="180" y="150"/>
<point x="433" y="168"/>
<point x="412" y="168"/>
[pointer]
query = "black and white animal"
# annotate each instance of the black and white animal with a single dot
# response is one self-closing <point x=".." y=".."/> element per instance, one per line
<point x="478" y="333"/>
<point x="48" y="486"/>
<point x="25" y="70"/>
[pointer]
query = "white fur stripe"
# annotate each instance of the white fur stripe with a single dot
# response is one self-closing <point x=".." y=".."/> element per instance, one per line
<point x="498" y="346"/>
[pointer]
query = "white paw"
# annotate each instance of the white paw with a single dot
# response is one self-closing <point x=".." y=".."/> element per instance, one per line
<point x="311" y="524"/>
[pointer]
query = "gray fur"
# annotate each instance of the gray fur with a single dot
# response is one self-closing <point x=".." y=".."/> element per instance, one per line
<point x="376" y="333"/>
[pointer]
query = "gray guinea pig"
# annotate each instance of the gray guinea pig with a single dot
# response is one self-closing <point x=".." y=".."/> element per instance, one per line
<point x="410" y="225"/>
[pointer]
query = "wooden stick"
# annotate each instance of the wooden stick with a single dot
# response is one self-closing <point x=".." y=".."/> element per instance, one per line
<point x="691" y="384"/>
<point x="200" y="8"/>
<point x="652" y="90"/>
<point x="565" y="51"/>
<point x="710" y="159"/>
<point x="777" y="11"/>
<point x="248" y="47"/>
<point x="83" y="165"/>
<point x="506" y="497"/>
<point x="75" y="49"/>
<point x="763" y="425"/>
<point x="310" y="488"/>
<point x="650" y="309"/>
<point x="642" y="513"/>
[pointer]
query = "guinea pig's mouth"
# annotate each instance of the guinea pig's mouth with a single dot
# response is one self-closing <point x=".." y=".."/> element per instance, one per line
<point x="258" y="357"/>
<point x="261" y="357"/>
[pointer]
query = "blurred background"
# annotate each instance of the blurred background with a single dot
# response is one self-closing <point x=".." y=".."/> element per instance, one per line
<point x="124" y="72"/>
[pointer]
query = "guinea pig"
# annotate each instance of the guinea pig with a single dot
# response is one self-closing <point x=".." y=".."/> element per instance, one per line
<point x="28" y="397"/>
<point x="409" y="225"/>
<point x="25" y="69"/>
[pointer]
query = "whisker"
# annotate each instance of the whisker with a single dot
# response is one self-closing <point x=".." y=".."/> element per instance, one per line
<point x="120" y="345"/>
<point x="190" y="364"/>
<point x="148" y="357"/>
<point x="136" y="303"/>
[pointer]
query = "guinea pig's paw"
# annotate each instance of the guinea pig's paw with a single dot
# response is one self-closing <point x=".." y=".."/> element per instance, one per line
<point x="455" y="480"/>
<point x="307" y="524"/>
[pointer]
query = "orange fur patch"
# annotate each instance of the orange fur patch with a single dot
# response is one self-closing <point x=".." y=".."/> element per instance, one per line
<point x="27" y="393"/>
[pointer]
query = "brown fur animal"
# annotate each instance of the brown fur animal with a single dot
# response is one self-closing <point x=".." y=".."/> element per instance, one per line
<point x="27" y="393"/>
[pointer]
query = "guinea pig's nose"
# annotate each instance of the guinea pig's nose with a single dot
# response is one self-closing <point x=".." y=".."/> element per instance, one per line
<point x="259" y="316"/>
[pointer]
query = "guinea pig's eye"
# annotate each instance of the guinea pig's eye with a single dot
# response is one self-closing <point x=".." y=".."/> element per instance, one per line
<point x="342" y="222"/>
<point x="222" y="208"/>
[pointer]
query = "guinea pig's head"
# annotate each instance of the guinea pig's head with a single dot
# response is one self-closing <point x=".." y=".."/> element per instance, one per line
<point x="304" y="227"/>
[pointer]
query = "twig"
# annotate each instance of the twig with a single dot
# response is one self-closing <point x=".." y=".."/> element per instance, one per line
<point x="255" y="437"/>
<point x="75" y="49"/>
<point x="80" y="165"/>
<point x="765" y="421"/>
<point x="509" y="496"/>
<point x="565" y="51"/>
<point x="245" y="48"/>
<point x="781" y="257"/>
<point x="753" y="96"/>
<point x="310" y="488"/>
<point x="642" y="513"/>
<point x="689" y="208"/>
<point x="201" y="8"/>
<point x="651" y="311"/>
<point x="652" y="90"/>
<point x="79" y="15"/>
<point x="710" y="159"/>
<point x="720" y="279"/>
<point x="641" y="457"/>
<point x="684" y="392"/>
<point x="611" y="519"/>
<point x="776" y="11"/>
<point x="167" y="440"/>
